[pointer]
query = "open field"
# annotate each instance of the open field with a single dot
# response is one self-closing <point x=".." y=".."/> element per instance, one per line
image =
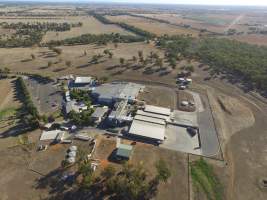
<point x="19" y="60"/>
<point x="216" y="23"/>
<point x="151" y="96"/>
<point x="251" y="39"/>
<point x="90" y="25"/>
<point x="153" y="26"/>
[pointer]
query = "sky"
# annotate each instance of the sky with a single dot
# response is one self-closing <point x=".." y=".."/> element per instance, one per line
<point x="196" y="2"/>
<point x="200" y="2"/>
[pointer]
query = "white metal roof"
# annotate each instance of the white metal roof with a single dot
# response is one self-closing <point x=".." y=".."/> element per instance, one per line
<point x="83" y="79"/>
<point x="147" y="129"/>
<point x="50" y="135"/>
<point x="158" y="116"/>
<point x="150" y="119"/>
<point x="158" y="110"/>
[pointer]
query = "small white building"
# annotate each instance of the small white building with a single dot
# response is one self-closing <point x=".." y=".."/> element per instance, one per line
<point x="82" y="83"/>
<point x="52" y="135"/>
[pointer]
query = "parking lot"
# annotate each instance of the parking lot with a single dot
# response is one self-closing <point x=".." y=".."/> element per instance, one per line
<point x="46" y="96"/>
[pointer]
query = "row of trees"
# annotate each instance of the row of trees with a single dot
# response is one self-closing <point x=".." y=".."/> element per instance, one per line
<point x="101" y="39"/>
<point x="40" y="26"/>
<point x="30" y="116"/>
<point x="125" y="26"/>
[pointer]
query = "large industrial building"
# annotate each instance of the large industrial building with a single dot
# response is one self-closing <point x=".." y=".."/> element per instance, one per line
<point x="110" y="93"/>
<point x="150" y="123"/>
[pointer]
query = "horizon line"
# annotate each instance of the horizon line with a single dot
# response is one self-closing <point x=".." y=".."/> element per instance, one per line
<point x="125" y="2"/>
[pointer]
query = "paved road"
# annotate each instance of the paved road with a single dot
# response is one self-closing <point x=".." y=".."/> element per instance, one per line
<point x="208" y="135"/>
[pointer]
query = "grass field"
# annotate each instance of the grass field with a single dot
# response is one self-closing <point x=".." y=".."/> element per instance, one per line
<point x="153" y="26"/>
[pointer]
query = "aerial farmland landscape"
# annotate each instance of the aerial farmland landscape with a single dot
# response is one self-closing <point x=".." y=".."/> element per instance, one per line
<point x="133" y="101"/>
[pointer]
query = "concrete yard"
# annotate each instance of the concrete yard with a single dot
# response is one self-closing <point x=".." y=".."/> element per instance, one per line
<point x="178" y="139"/>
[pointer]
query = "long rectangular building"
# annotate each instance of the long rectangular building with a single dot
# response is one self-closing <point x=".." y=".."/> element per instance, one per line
<point x="150" y="123"/>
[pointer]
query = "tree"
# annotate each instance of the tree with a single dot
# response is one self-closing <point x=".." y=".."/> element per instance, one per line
<point x="106" y="51"/>
<point x="122" y="60"/>
<point x="140" y="54"/>
<point x="49" y="64"/>
<point x="190" y="68"/>
<point x="68" y="63"/>
<point x="159" y="62"/>
<point x="95" y="59"/>
<point x="110" y="54"/>
<point x="172" y="62"/>
<point x="32" y="56"/>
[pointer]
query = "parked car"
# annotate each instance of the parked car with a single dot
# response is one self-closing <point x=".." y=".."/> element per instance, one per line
<point x="182" y="87"/>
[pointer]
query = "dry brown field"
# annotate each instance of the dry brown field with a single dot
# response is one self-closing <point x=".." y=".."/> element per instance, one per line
<point x="153" y="26"/>
<point x="220" y="24"/>
<point x="19" y="60"/>
<point x="90" y="25"/>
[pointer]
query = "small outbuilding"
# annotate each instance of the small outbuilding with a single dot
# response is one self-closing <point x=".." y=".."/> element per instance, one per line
<point x="124" y="152"/>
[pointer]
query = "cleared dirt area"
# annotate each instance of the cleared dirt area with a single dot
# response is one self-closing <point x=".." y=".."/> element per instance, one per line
<point x="158" y="96"/>
<point x="153" y="26"/>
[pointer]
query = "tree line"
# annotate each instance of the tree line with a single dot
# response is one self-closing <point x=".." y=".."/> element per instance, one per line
<point x="101" y="39"/>
<point x="246" y="62"/>
<point x="29" y="34"/>
<point x="41" y="26"/>
<point x="125" y="26"/>
<point x="30" y="116"/>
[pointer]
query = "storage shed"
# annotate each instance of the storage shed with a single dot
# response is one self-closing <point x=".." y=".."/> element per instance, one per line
<point x="124" y="151"/>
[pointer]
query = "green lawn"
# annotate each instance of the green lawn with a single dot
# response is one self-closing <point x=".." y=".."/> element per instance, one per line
<point x="204" y="179"/>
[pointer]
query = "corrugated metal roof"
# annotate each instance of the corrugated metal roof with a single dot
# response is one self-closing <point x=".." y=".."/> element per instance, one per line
<point x="147" y="129"/>
<point x="158" y="116"/>
<point x="50" y="135"/>
<point x="83" y="79"/>
<point x="100" y="112"/>
<point x="150" y="119"/>
<point x="124" y="150"/>
<point x="117" y="91"/>
<point x="158" y="110"/>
